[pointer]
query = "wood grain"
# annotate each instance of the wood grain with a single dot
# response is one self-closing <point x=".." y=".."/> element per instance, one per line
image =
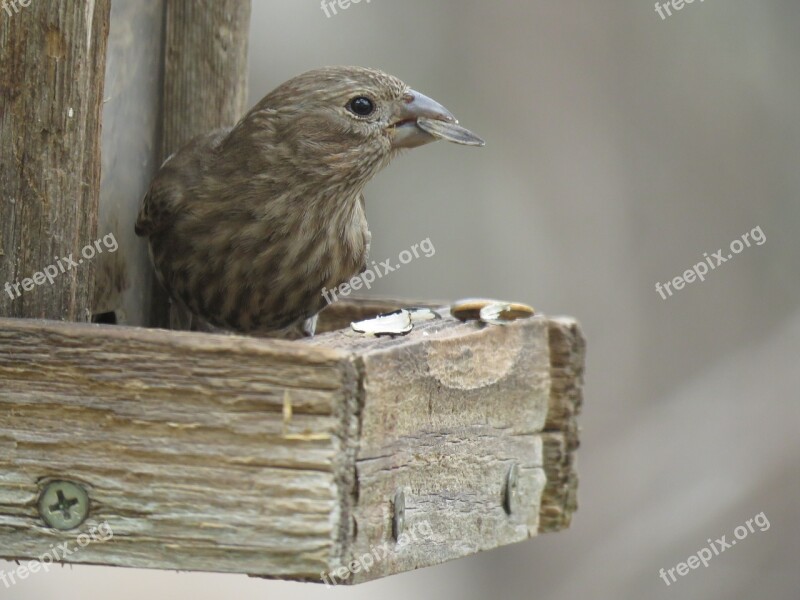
<point x="180" y="440"/>
<point x="567" y="358"/>
<point x="283" y="459"/>
<point x="205" y="68"/>
<point x="446" y="412"/>
<point x="51" y="86"/>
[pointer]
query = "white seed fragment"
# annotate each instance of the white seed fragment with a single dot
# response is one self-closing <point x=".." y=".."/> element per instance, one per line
<point x="394" y="323"/>
<point x="420" y="315"/>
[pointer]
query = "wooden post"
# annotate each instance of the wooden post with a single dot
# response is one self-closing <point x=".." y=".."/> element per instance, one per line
<point x="205" y="68"/>
<point x="51" y="85"/>
<point x="205" y="81"/>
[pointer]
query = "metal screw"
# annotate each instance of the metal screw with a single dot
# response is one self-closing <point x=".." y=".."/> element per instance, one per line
<point x="399" y="520"/>
<point x="511" y="491"/>
<point x="63" y="505"/>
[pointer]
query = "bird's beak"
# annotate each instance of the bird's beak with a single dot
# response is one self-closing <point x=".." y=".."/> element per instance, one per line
<point x="404" y="130"/>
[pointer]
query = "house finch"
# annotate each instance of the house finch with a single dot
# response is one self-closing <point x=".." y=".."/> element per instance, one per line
<point x="247" y="225"/>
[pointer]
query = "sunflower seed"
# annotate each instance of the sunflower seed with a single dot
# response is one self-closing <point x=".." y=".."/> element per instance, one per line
<point x="490" y="311"/>
<point x="452" y="132"/>
<point x="502" y="313"/>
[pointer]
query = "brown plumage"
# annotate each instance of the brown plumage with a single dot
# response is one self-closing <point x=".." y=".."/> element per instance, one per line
<point x="247" y="225"/>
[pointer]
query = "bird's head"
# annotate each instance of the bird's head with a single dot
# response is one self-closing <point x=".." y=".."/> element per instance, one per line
<point x="346" y="121"/>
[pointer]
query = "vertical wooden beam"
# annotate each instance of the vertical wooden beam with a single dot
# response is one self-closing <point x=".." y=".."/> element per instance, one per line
<point x="205" y="70"/>
<point x="205" y="80"/>
<point x="51" y="91"/>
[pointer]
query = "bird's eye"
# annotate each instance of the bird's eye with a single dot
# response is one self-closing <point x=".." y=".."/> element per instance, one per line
<point x="362" y="106"/>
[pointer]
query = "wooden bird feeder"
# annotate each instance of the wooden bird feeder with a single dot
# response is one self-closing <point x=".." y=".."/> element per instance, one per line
<point x="291" y="460"/>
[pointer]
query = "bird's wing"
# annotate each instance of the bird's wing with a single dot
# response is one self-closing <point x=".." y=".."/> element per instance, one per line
<point x="157" y="206"/>
<point x="167" y="193"/>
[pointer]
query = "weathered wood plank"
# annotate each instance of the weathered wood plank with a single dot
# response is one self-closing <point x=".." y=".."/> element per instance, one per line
<point x="567" y="358"/>
<point x="444" y="419"/>
<point x="51" y="85"/>
<point x="182" y="443"/>
<point x="285" y="459"/>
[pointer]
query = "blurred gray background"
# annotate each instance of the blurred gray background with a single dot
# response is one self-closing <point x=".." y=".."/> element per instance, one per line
<point x="621" y="147"/>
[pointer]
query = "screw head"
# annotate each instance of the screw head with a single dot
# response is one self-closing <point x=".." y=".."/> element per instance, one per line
<point x="399" y="519"/>
<point x="63" y="505"/>
<point x="512" y="488"/>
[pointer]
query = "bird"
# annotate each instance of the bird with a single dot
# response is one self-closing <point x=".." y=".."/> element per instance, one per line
<point x="246" y="225"/>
